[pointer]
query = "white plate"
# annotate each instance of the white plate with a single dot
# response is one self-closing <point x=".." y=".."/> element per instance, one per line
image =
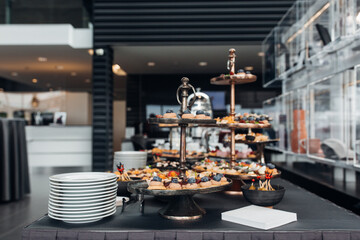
<point x="56" y="183"/>
<point x="65" y="208"/>
<point x="112" y="186"/>
<point x="80" y="215"/>
<point x="79" y="206"/>
<point x="60" y="194"/>
<point x="82" y="177"/>
<point x="81" y="211"/>
<point x="84" y="198"/>
<point x="82" y="201"/>
<point x="82" y="220"/>
<point x="74" y="187"/>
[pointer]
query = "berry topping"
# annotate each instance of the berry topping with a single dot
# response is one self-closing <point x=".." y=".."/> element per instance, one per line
<point x="270" y="165"/>
<point x="187" y="111"/>
<point x="157" y="179"/>
<point x="191" y="180"/>
<point x="169" y="111"/>
<point x="240" y="71"/>
<point x="217" y="177"/>
<point x="175" y="180"/>
<point x="205" y="179"/>
<point x="200" y="112"/>
<point x="207" y="114"/>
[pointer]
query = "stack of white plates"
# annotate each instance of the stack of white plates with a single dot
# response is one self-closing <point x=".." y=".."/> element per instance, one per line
<point x="82" y="197"/>
<point x="130" y="159"/>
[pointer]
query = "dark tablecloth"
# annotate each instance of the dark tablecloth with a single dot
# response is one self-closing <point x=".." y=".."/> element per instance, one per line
<point x="317" y="219"/>
<point x="14" y="177"/>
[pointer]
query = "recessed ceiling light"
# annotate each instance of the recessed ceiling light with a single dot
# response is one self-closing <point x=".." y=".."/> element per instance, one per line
<point x="42" y="59"/>
<point x="73" y="74"/>
<point x="249" y="68"/>
<point x="34" y="80"/>
<point x="203" y="64"/>
<point x="118" y="71"/>
<point x="151" y="64"/>
<point x="91" y="52"/>
<point x="14" y="74"/>
<point x="87" y="80"/>
<point x="50" y="89"/>
<point x="59" y="67"/>
<point x="261" y="54"/>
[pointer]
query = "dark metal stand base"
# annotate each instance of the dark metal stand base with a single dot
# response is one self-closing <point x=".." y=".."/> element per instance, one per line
<point x="182" y="208"/>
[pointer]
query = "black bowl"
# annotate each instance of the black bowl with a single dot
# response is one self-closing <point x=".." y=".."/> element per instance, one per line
<point x="264" y="198"/>
<point x="122" y="187"/>
<point x="250" y="138"/>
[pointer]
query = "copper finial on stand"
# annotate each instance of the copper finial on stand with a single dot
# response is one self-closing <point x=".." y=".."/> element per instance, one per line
<point x="231" y="68"/>
<point x="183" y="91"/>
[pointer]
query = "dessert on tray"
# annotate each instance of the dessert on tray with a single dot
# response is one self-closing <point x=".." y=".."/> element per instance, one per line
<point x="258" y="137"/>
<point x="246" y="120"/>
<point x="174" y="153"/>
<point x="192" y="181"/>
<point x="170" y="114"/>
<point x="186" y="115"/>
<point x="244" y="168"/>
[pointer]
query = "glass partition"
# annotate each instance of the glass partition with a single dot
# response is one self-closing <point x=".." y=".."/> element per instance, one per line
<point x="271" y="107"/>
<point x="329" y="119"/>
<point x="355" y="117"/>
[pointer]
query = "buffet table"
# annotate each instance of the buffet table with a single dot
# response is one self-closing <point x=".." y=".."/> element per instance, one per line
<point x="317" y="219"/>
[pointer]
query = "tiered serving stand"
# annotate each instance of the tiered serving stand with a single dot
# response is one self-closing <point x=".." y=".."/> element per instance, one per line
<point x="181" y="205"/>
<point x="233" y="79"/>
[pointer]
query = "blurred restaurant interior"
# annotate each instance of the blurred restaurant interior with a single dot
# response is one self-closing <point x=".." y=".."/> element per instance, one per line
<point x="83" y="81"/>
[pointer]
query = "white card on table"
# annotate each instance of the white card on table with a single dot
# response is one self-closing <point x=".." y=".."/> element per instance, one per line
<point x="259" y="217"/>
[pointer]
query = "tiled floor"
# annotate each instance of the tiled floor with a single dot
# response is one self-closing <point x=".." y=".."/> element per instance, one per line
<point x="15" y="215"/>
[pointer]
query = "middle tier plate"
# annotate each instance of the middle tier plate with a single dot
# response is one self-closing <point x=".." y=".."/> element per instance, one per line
<point x="178" y="121"/>
<point x="142" y="188"/>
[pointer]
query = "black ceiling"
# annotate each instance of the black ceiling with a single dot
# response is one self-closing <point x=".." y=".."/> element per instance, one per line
<point x="183" y="22"/>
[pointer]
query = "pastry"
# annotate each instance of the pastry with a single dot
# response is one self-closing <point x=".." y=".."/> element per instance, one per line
<point x="231" y="171"/>
<point x="175" y="185"/>
<point x="200" y="114"/>
<point x="191" y="184"/>
<point x="170" y="114"/>
<point x="187" y="114"/>
<point x="156" y="183"/>
<point x="207" y="115"/>
<point x="205" y="182"/>
<point x="216" y="181"/>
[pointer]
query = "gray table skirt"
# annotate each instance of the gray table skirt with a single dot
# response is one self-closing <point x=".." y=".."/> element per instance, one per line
<point x="184" y="235"/>
<point x="14" y="171"/>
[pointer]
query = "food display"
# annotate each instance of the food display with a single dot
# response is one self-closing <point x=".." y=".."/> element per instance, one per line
<point x="246" y="120"/>
<point x="167" y="153"/>
<point x="185" y="115"/>
<point x="247" y="169"/>
<point x="243" y="154"/>
<point x="192" y="181"/>
<point x="257" y="137"/>
<point x="181" y="184"/>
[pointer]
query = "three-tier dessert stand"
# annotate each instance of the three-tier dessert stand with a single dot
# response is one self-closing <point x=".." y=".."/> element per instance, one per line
<point x="181" y="205"/>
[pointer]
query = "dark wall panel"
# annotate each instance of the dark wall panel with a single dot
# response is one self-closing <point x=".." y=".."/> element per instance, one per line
<point x="103" y="110"/>
<point x="120" y="22"/>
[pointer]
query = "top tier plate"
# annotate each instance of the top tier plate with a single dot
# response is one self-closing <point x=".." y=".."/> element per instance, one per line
<point x="181" y="121"/>
<point x="227" y="79"/>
